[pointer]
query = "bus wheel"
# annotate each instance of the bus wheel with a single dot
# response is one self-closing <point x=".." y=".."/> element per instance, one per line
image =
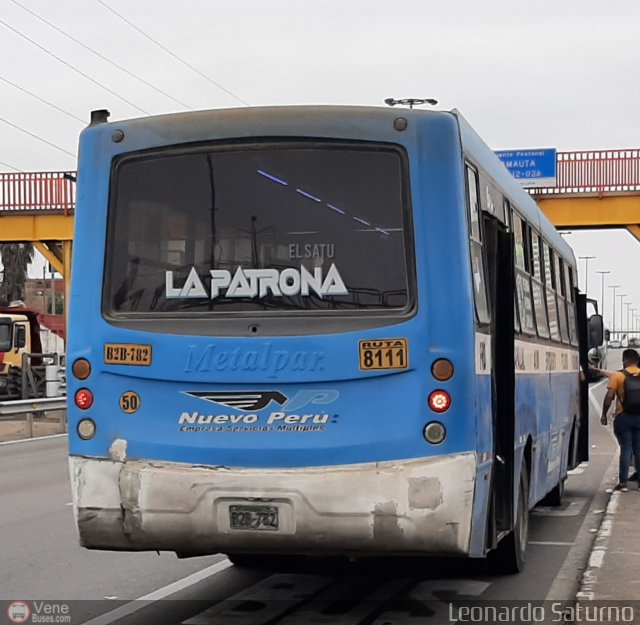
<point x="510" y="555"/>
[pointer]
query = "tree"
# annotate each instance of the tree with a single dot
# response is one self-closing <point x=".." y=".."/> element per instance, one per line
<point x="15" y="258"/>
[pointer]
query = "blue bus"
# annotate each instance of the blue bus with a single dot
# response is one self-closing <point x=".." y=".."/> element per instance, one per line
<point x="316" y="330"/>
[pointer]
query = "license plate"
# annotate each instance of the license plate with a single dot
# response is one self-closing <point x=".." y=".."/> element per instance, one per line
<point x="264" y="518"/>
<point x="384" y="354"/>
<point x="127" y="354"/>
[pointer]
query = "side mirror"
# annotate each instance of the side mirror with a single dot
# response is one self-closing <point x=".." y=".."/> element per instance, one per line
<point x="596" y="330"/>
<point x="21" y="337"/>
<point x="593" y="356"/>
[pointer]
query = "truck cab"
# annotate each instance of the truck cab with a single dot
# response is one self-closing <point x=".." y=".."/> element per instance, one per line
<point x="19" y="334"/>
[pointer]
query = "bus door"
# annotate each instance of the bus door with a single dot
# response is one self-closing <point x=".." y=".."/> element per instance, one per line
<point x="500" y="283"/>
<point x="581" y="450"/>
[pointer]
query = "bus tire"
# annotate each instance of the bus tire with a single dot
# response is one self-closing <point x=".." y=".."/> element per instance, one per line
<point x="510" y="555"/>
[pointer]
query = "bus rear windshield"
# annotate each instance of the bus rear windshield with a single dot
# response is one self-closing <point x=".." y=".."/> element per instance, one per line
<point x="253" y="229"/>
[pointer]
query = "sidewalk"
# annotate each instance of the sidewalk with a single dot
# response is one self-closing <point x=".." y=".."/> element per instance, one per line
<point x="613" y="571"/>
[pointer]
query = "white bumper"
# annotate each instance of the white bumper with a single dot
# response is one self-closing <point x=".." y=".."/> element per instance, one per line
<point x="418" y="506"/>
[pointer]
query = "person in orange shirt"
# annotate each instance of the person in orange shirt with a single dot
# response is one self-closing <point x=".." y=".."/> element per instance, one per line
<point x="626" y="425"/>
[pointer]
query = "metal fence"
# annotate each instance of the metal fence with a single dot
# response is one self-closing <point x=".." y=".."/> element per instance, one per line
<point x="606" y="171"/>
<point x="37" y="192"/>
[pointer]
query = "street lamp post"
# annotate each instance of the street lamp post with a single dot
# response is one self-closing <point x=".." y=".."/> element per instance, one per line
<point x="621" y="296"/>
<point x="603" y="274"/>
<point x="586" y="260"/>
<point x="614" y="287"/>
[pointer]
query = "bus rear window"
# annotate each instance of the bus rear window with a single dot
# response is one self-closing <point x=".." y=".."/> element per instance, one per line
<point x="253" y="229"/>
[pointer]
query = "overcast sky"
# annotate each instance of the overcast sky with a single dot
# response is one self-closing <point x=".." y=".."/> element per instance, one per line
<point x="544" y="74"/>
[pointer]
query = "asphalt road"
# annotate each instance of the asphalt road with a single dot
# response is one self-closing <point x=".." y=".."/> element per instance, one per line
<point x="40" y="558"/>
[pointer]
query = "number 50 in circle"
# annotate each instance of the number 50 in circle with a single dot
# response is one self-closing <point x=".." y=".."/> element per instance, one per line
<point x="130" y="402"/>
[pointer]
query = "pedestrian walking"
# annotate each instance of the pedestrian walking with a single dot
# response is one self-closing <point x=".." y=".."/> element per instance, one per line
<point x="624" y="386"/>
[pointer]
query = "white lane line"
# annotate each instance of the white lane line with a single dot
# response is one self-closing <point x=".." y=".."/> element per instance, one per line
<point x="550" y="543"/>
<point x="30" y="440"/>
<point x="161" y="593"/>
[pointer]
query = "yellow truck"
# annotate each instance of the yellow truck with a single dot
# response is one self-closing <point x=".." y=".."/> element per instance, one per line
<point x="19" y="334"/>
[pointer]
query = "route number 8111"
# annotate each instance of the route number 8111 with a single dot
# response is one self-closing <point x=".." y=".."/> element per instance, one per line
<point x="384" y="354"/>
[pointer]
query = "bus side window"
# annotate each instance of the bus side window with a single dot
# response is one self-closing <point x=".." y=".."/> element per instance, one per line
<point x="477" y="263"/>
<point x="552" y="306"/>
<point x="562" y="303"/>
<point x="571" y="307"/>
<point x="507" y="214"/>
<point x="523" y="283"/>
<point x="537" y="286"/>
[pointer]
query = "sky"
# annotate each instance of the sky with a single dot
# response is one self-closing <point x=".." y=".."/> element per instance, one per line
<point x="525" y="75"/>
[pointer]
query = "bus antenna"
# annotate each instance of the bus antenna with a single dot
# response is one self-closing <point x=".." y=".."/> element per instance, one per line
<point x="411" y="102"/>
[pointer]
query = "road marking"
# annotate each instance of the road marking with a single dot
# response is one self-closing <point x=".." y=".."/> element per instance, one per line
<point x="30" y="440"/>
<point x="432" y="602"/>
<point x="161" y="593"/>
<point x="550" y="543"/>
<point x="319" y="611"/>
<point x="263" y="602"/>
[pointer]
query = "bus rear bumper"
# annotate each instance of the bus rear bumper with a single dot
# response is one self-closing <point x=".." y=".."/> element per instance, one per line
<point x="420" y="506"/>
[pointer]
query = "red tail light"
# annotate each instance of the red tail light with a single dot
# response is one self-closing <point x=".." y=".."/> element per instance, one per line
<point x="439" y="401"/>
<point x="84" y="399"/>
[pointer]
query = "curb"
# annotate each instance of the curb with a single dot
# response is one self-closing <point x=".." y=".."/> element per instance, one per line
<point x="590" y="576"/>
<point x="589" y="579"/>
<point x="567" y="585"/>
<point x="568" y="581"/>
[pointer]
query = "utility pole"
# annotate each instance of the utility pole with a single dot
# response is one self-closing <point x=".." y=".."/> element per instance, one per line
<point x="621" y="296"/>
<point x="586" y="260"/>
<point x="614" y="287"/>
<point x="603" y="274"/>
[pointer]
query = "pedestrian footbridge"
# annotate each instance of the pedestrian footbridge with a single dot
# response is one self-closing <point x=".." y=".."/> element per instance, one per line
<point x="38" y="207"/>
<point x="595" y="189"/>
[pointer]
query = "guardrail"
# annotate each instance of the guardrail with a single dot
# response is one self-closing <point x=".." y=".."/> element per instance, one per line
<point x="28" y="412"/>
<point x="22" y="406"/>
